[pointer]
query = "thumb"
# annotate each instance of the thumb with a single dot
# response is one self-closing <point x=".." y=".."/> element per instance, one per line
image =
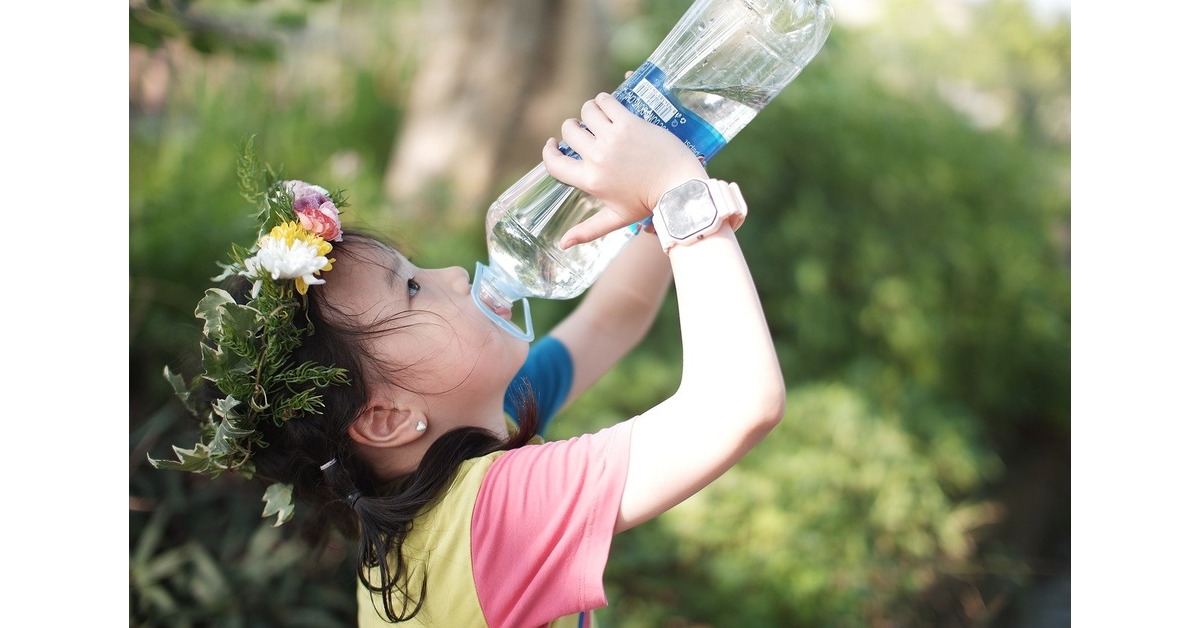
<point x="602" y="223"/>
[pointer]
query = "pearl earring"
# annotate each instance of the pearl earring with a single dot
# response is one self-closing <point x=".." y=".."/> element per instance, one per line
<point x="421" y="426"/>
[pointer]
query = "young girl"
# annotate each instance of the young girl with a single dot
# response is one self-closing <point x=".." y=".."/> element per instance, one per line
<point x="465" y="518"/>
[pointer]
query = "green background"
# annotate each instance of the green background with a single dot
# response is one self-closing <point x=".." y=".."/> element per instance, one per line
<point x="910" y="194"/>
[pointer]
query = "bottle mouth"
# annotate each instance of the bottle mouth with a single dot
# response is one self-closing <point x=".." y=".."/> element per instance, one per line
<point x="494" y="302"/>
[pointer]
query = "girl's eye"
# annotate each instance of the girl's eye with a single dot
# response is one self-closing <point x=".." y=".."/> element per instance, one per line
<point x="413" y="288"/>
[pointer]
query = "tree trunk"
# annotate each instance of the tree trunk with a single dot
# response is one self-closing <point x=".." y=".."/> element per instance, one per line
<point x="495" y="80"/>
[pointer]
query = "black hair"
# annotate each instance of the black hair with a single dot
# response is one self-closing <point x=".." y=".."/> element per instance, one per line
<point x="347" y="495"/>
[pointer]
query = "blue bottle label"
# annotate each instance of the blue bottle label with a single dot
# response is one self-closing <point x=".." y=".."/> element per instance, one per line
<point x="645" y="93"/>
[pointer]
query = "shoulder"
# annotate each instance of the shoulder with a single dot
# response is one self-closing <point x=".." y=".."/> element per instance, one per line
<point x="609" y="445"/>
<point x="455" y="507"/>
<point x="541" y="483"/>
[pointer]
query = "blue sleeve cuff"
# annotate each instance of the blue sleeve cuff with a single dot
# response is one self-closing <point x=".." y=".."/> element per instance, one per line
<point x="549" y="372"/>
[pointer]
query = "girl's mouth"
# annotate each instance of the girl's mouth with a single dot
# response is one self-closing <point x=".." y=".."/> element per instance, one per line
<point x="501" y="311"/>
<point x="495" y="304"/>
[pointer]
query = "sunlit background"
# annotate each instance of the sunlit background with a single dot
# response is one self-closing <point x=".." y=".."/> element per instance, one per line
<point x="911" y="241"/>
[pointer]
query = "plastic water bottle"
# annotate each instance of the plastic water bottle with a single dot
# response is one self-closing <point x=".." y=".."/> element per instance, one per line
<point x="715" y="70"/>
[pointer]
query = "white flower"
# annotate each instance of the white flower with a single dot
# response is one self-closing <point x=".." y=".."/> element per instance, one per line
<point x="289" y="252"/>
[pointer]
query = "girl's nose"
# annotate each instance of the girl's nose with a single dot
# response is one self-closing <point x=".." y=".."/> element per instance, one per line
<point x="459" y="277"/>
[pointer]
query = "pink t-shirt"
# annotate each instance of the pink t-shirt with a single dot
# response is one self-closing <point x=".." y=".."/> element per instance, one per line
<point x="542" y="526"/>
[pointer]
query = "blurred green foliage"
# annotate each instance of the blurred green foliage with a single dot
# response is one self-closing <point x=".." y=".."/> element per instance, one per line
<point x="862" y="522"/>
<point x="910" y="244"/>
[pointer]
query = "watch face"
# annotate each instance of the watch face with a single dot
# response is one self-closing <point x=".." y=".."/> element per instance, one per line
<point x="691" y="210"/>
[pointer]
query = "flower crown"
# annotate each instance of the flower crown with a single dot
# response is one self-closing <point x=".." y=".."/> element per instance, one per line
<point x="247" y="348"/>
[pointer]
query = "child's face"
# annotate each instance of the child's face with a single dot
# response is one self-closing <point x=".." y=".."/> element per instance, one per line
<point x="450" y="353"/>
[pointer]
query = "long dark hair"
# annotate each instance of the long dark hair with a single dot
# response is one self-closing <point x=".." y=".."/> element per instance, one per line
<point x="346" y="495"/>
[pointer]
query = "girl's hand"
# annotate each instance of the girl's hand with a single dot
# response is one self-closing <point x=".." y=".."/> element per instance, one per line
<point x="626" y="162"/>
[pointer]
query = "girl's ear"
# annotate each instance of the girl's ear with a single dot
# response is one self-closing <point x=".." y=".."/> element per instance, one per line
<point x="388" y="425"/>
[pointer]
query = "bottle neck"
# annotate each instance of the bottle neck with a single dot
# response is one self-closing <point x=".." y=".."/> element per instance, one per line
<point x="494" y="294"/>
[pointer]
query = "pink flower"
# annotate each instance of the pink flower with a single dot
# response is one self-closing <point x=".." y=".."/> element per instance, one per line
<point x="315" y="210"/>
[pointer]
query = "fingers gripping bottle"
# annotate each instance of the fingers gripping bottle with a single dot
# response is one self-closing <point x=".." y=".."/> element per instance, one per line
<point x="715" y="70"/>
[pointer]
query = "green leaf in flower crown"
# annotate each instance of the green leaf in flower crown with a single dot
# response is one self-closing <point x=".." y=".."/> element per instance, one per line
<point x="240" y="320"/>
<point x="227" y="271"/>
<point x="224" y="407"/>
<point x="227" y="448"/>
<point x="179" y="386"/>
<point x="279" y="502"/>
<point x="197" y="459"/>
<point x="220" y="366"/>
<point x="232" y="429"/>
<point x="209" y="309"/>
<point x="250" y="172"/>
<point x="213" y="363"/>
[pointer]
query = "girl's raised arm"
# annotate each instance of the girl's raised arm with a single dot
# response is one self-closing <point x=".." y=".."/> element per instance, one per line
<point x="731" y="392"/>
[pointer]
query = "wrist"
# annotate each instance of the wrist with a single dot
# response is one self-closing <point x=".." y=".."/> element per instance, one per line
<point x="695" y="209"/>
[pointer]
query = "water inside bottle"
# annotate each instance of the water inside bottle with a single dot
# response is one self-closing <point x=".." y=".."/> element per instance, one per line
<point x="524" y="227"/>
<point x="727" y="109"/>
<point x="523" y="236"/>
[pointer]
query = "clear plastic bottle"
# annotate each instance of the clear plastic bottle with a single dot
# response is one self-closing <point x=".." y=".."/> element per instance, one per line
<point x="715" y="70"/>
